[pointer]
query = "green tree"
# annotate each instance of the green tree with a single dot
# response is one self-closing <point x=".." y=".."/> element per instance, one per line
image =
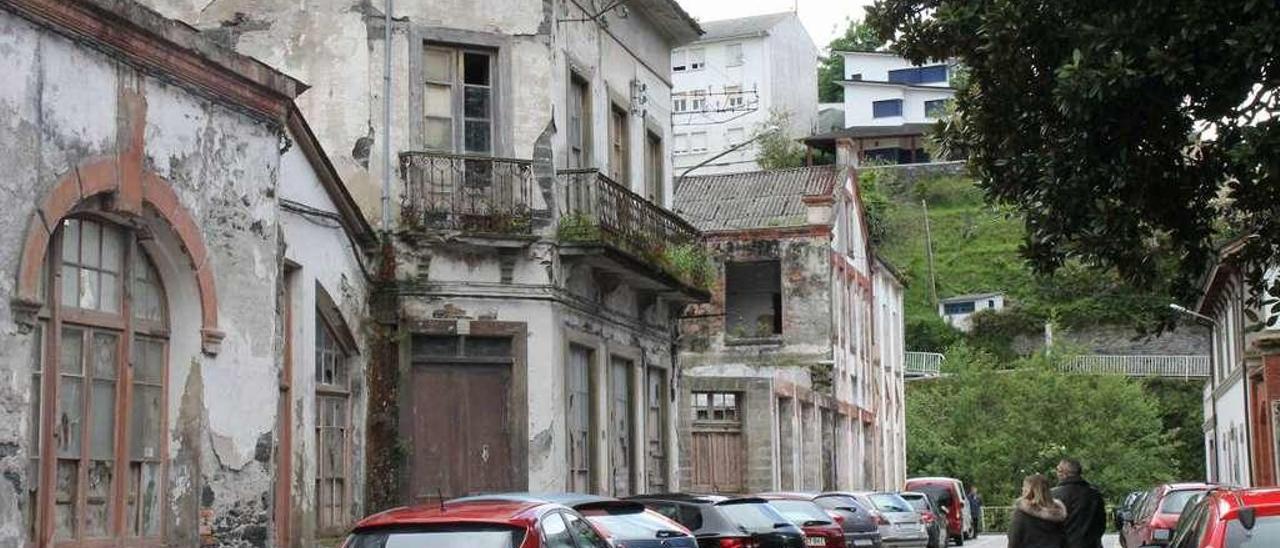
<point x="993" y="426"/>
<point x="857" y="37"/>
<point x="1122" y="131"/>
<point x="777" y="150"/>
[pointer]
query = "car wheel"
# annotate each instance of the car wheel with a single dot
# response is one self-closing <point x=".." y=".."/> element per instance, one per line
<point x="959" y="540"/>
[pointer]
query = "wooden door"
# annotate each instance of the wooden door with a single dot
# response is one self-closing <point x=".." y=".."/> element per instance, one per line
<point x="620" y="426"/>
<point x="461" y="444"/>
<point x="717" y="461"/>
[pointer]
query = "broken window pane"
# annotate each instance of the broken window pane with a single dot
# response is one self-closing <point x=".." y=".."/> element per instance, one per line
<point x="97" y="499"/>
<point x="64" y="500"/>
<point x="70" y="417"/>
<point x="88" y="289"/>
<point x="475" y="68"/>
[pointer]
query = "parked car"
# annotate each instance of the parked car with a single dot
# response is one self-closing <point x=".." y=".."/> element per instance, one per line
<point x="861" y="530"/>
<point x="1230" y="518"/>
<point x="623" y="523"/>
<point x="931" y="515"/>
<point x="1121" y="512"/>
<point x="900" y="525"/>
<point x="477" y="524"/>
<point x="820" y="528"/>
<point x="1154" y="521"/>
<point x="949" y="493"/>
<point x="724" y="522"/>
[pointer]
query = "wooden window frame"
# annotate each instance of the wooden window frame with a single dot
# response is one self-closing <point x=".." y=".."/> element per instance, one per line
<point x="655" y="168"/>
<point x="657" y="413"/>
<point x="628" y="362"/>
<point x="620" y="145"/>
<point x="53" y="318"/>
<point x="457" y="86"/>
<point x="342" y="352"/>
<point x="712" y="407"/>
<point x="592" y="364"/>
<point x="580" y="152"/>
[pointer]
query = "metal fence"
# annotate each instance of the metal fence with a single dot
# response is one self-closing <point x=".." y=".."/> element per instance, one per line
<point x="1186" y="367"/>
<point x="467" y="192"/>
<point x="923" y="364"/>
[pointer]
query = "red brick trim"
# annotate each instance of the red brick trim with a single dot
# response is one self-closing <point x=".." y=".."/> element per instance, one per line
<point x="114" y="177"/>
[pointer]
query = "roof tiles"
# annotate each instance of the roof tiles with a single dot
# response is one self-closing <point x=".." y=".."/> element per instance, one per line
<point x="755" y="199"/>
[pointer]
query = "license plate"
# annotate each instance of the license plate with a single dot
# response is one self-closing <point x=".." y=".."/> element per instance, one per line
<point x="815" y="541"/>
<point x="862" y="542"/>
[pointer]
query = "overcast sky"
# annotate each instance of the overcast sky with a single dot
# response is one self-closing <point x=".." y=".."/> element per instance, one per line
<point x="824" y="19"/>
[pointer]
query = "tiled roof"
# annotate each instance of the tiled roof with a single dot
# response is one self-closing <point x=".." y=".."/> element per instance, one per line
<point x="743" y="26"/>
<point x="755" y="199"/>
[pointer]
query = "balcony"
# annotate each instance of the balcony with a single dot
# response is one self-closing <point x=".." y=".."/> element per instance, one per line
<point x="1177" y="367"/>
<point x="596" y="213"/>
<point x="923" y="365"/>
<point x="468" y="193"/>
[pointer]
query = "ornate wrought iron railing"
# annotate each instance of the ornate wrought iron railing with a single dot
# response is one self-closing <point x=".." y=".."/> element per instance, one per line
<point x="466" y="192"/>
<point x="594" y="208"/>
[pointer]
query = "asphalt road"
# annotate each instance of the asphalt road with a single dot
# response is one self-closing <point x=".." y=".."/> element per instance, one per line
<point x="998" y="541"/>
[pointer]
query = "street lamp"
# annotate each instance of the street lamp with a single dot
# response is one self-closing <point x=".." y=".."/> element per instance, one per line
<point x="1213" y="376"/>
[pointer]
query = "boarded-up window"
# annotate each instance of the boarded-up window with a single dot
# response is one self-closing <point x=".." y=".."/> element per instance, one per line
<point x="106" y="419"/>
<point x="621" y="430"/>
<point x="753" y="299"/>
<point x="578" y="404"/>
<point x="457" y="99"/>
<point x="333" y="428"/>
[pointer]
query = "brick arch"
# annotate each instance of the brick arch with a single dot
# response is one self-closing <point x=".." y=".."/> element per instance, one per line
<point x="129" y="189"/>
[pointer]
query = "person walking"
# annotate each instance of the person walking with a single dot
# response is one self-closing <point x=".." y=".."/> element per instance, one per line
<point x="1038" y="519"/>
<point x="975" y="509"/>
<point x="1086" y="511"/>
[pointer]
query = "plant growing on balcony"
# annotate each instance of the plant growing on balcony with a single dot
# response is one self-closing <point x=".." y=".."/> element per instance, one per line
<point x="578" y="227"/>
<point x="689" y="262"/>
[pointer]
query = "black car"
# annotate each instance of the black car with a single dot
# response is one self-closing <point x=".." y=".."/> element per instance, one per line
<point x="1124" y="513"/>
<point x="623" y="522"/>
<point x="859" y="524"/>
<point x="931" y="514"/>
<point x="724" y="522"/>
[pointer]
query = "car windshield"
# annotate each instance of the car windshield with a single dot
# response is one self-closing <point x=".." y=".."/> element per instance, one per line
<point x="838" y="502"/>
<point x="938" y="492"/>
<point x="752" y="516"/>
<point x="889" y="502"/>
<point x="1265" y="533"/>
<point x="495" y="536"/>
<point x="643" y="525"/>
<point x="1175" y="501"/>
<point x="800" y="512"/>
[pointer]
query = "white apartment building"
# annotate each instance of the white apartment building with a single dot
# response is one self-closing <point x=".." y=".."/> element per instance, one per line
<point x="725" y="85"/>
<point x="889" y="104"/>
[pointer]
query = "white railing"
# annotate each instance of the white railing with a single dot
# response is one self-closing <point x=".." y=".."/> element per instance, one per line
<point x="1186" y="367"/>
<point x="923" y="364"/>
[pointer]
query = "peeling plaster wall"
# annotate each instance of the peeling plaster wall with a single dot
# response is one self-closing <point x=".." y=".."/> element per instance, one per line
<point x="59" y="107"/>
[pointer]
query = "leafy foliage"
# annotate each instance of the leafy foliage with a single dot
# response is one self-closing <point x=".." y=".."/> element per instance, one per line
<point x="691" y="263"/>
<point x="991" y="426"/>
<point x="857" y="37"/>
<point x="777" y="150"/>
<point x="1122" y="131"/>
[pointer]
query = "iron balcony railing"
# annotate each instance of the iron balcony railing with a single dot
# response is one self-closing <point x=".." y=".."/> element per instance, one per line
<point x="595" y="209"/>
<point x="467" y="192"/>
<point x="923" y="364"/>
<point x="1186" y="367"/>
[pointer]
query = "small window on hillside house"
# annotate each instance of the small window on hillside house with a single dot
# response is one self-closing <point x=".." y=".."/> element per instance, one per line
<point x="733" y="55"/>
<point x="958" y="308"/>
<point x="753" y="299"/>
<point x="886" y="108"/>
<point x="697" y="59"/>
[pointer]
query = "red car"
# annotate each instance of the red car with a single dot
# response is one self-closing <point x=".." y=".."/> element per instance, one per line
<point x="820" y="528"/>
<point x="1230" y="518"/>
<point x="477" y="524"/>
<point x="1152" y="524"/>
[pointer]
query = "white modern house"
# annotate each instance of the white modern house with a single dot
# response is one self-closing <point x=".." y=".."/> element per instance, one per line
<point x="957" y="310"/>
<point x="889" y="104"/>
<point x="725" y="85"/>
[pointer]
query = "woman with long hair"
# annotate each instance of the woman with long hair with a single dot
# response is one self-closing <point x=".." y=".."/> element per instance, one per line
<point x="1037" y="518"/>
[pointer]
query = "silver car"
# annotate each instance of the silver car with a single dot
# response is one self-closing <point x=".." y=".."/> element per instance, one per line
<point x="900" y="524"/>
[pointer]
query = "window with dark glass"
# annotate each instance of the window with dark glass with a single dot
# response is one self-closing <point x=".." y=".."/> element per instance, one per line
<point x="98" y="461"/>
<point x="753" y="299"/>
<point x="919" y="75"/>
<point x="886" y="108"/>
<point x="966" y="307"/>
<point x="579" y="122"/>
<point x="619" y="145"/>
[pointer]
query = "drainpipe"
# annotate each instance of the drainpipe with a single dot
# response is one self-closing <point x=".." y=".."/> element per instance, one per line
<point x="386" y="118"/>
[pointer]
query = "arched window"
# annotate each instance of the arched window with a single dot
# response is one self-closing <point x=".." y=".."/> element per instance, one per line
<point x="98" y="418"/>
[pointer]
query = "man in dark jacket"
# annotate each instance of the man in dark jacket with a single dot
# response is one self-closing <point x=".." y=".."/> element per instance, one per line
<point x="1086" y="511"/>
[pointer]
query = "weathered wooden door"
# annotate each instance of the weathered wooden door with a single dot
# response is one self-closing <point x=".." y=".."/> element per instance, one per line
<point x="717" y="443"/>
<point x="461" y="444"/>
<point x="620" y="430"/>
